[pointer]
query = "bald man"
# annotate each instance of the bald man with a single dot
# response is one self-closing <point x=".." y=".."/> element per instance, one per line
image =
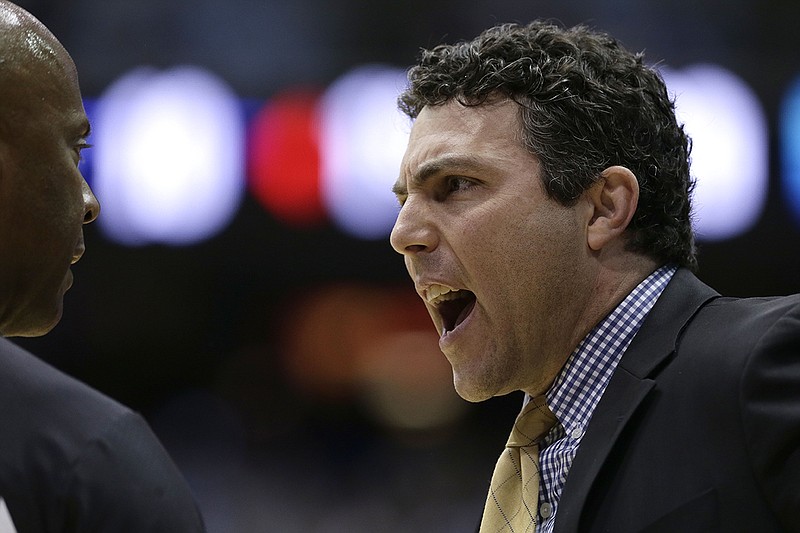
<point x="71" y="459"/>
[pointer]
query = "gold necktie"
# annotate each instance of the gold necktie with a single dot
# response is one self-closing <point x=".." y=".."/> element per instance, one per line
<point x="514" y="492"/>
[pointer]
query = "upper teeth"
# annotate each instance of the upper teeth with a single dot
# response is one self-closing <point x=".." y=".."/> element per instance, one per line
<point x="439" y="293"/>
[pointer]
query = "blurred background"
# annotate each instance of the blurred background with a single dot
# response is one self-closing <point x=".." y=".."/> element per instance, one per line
<point x="239" y="289"/>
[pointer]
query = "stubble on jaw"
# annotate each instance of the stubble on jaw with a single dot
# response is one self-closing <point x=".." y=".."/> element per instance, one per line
<point x="487" y="376"/>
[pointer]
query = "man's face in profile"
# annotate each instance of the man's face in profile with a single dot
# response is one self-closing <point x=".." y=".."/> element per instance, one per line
<point x="44" y="200"/>
<point x="502" y="267"/>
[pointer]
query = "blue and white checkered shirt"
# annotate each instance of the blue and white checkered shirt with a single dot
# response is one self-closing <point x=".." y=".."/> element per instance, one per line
<point x="578" y="388"/>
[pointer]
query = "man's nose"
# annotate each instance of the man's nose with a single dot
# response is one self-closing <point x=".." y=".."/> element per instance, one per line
<point x="413" y="230"/>
<point x="91" y="205"/>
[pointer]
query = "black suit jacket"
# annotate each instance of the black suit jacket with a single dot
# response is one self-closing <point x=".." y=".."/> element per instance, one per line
<point x="73" y="460"/>
<point x="699" y="428"/>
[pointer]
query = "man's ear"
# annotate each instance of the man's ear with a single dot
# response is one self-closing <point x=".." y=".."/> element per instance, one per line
<point x="614" y="198"/>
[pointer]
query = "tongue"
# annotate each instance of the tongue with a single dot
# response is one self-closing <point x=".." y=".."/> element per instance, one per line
<point x="464" y="313"/>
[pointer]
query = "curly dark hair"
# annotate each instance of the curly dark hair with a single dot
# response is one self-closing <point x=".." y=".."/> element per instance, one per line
<point x="586" y="103"/>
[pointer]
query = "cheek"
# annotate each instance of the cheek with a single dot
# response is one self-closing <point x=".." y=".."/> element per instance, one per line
<point x="70" y="206"/>
<point x="524" y="255"/>
<point x="477" y="233"/>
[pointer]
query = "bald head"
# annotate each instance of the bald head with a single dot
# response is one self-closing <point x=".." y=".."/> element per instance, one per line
<point x="33" y="65"/>
<point x="44" y="200"/>
<point x="25" y="42"/>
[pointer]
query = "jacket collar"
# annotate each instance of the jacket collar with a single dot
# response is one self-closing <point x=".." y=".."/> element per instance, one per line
<point x="631" y="383"/>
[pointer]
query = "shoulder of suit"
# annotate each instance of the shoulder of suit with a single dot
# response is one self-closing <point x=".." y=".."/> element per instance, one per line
<point x="763" y="308"/>
<point x="729" y="329"/>
<point x="34" y="394"/>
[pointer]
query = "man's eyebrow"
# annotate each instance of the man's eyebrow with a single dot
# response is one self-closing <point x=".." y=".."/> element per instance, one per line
<point x="82" y="128"/>
<point x="399" y="188"/>
<point x="427" y="170"/>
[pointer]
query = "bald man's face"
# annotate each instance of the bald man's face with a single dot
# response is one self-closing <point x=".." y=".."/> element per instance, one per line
<point x="44" y="200"/>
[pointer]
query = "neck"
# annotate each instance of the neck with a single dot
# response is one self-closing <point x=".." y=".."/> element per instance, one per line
<point x="614" y="280"/>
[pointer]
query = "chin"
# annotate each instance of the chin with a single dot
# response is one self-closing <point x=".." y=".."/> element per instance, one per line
<point x="38" y="332"/>
<point x="470" y="391"/>
<point x="34" y="326"/>
<point x="31" y="331"/>
<point x="47" y="326"/>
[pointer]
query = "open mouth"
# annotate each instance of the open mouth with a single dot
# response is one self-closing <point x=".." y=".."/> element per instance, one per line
<point x="454" y="308"/>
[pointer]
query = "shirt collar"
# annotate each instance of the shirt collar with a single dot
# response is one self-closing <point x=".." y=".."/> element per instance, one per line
<point x="584" y="377"/>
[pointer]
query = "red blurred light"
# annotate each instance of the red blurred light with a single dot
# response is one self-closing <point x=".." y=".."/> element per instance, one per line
<point x="284" y="159"/>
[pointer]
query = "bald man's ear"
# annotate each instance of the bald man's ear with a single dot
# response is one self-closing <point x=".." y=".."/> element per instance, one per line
<point x="613" y="198"/>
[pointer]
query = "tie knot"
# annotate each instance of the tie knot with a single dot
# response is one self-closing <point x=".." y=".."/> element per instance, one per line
<point x="532" y="423"/>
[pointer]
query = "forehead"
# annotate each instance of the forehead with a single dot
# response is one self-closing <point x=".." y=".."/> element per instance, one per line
<point x="479" y="123"/>
<point x="38" y="78"/>
<point x="486" y="135"/>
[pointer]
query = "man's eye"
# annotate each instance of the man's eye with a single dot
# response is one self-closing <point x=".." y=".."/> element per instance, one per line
<point x="458" y="183"/>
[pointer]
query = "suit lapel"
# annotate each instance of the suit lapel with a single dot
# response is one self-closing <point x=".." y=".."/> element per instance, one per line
<point x="629" y="386"/>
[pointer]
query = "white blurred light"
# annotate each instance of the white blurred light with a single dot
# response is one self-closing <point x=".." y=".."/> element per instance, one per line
<point x="728" y="128"/>
<point x="363" y="138"/>
<point x="169" y="159"/>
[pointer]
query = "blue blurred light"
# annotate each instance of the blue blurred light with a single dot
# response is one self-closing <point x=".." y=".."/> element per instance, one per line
<point x="169" y="156"/>
<point x="790" y="147"/>
<point x="729" y="135"/>
<point x="362" y="140"/>
<point x="168" y="164"/>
